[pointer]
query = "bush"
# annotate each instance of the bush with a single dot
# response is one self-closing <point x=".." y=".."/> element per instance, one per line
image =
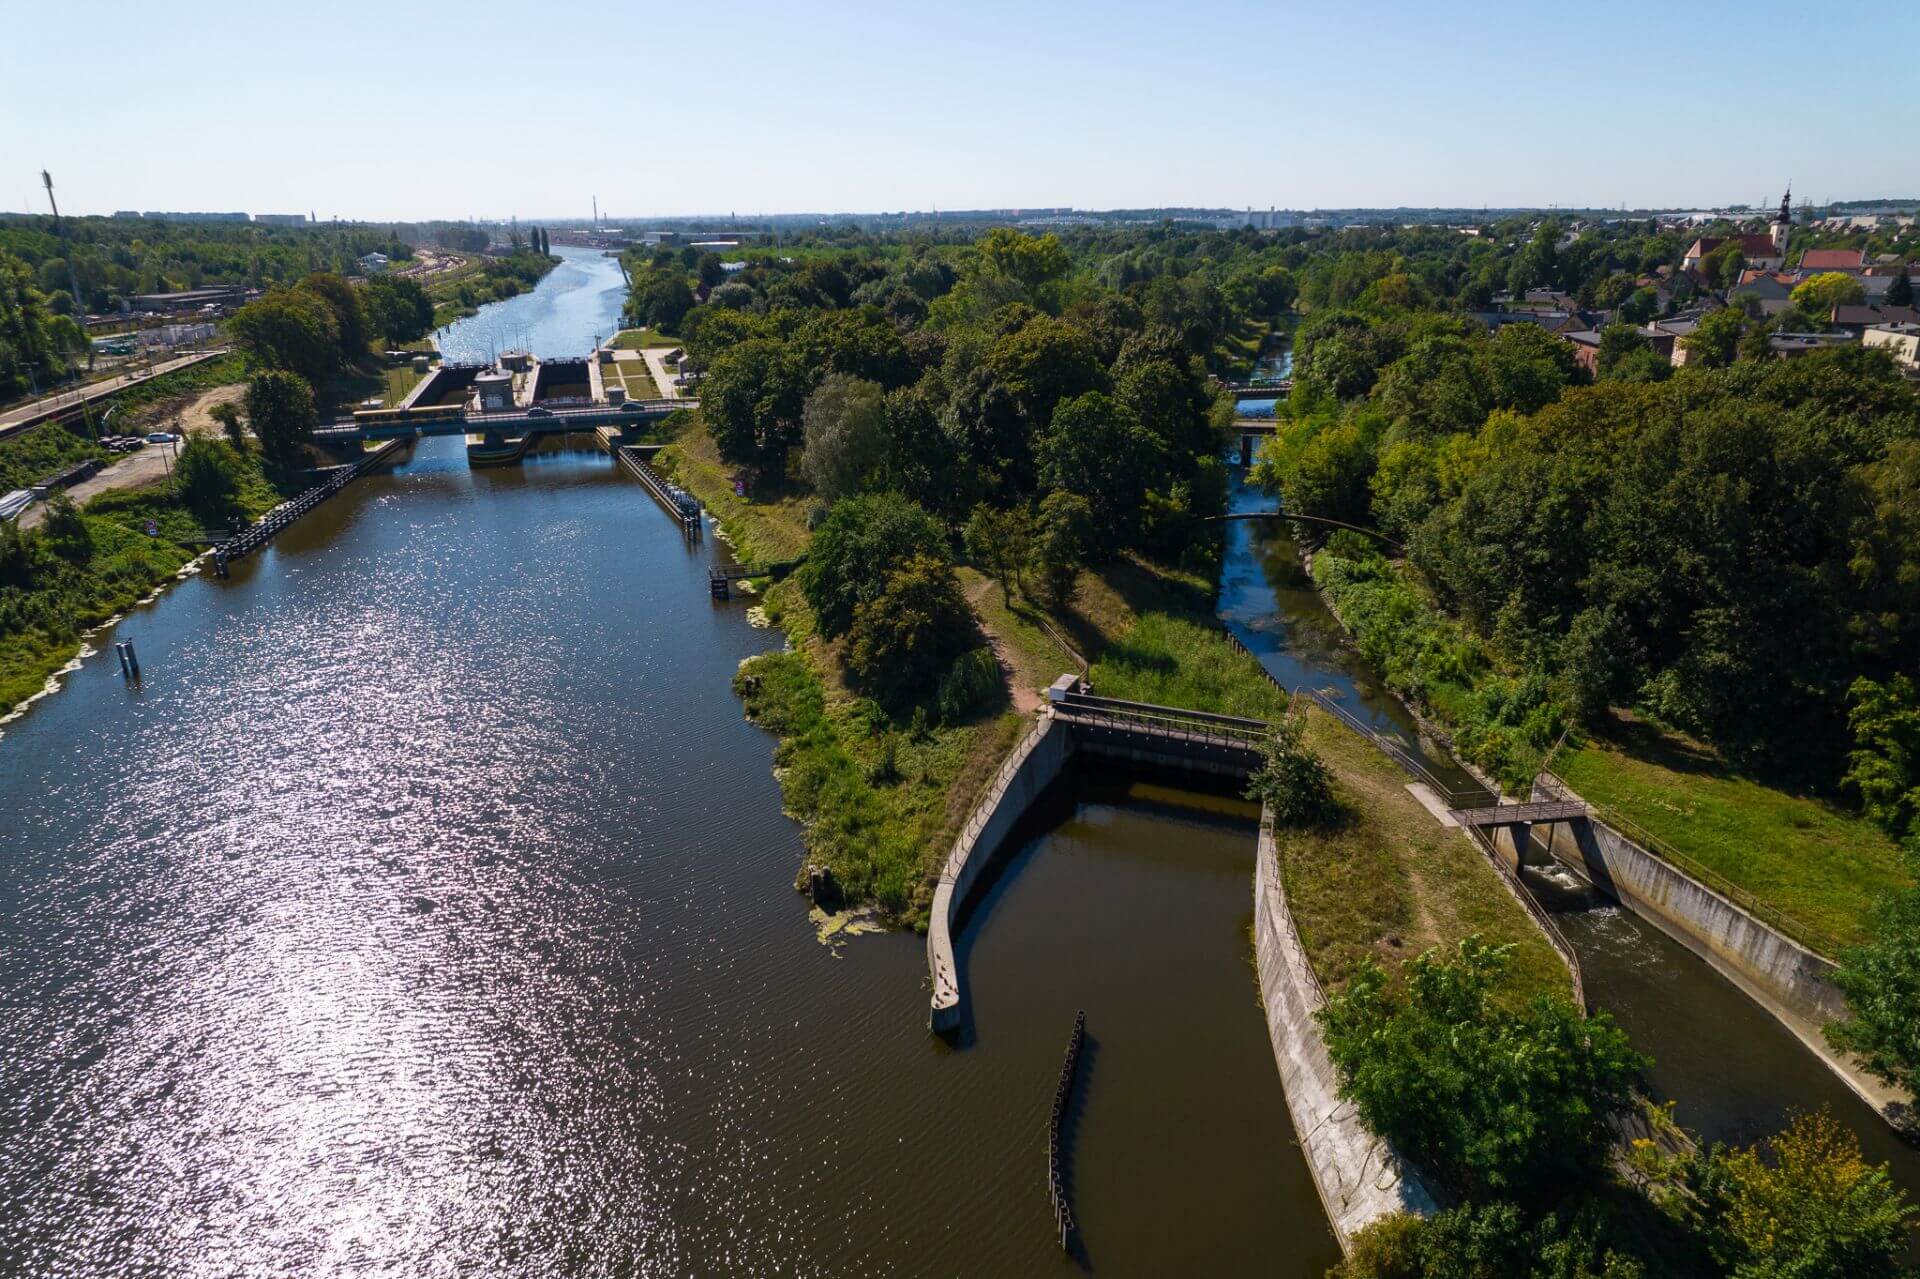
<point x="208" y="474"/>
<point x="1293" y="782"/>
<point x="969" y="683"/>
<point x="280" y="406"/>
<point x="1802" y="1203"/>
<point x="1489" y="1101"/>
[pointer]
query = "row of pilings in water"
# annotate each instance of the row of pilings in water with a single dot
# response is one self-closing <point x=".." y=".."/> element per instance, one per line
<point x="262" y="530"/>
<point x="1062" y="1095"/>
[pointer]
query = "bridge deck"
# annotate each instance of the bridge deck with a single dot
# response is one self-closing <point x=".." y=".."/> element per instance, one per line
<point x="1514" y="814"/>
<point x="1166" y="724"/>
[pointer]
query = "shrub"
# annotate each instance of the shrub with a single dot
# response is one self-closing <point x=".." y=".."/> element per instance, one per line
<point x="1489" y="1101"/>
<point x="1293" y="782"/>
<point x="969" y="683"/>
<point x="856" y="546"/>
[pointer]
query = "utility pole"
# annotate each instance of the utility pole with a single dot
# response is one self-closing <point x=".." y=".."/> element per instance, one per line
<point x="73" y="281"/>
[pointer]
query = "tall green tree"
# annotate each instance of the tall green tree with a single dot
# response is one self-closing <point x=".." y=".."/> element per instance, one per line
<point x="281" y="410"/>
<point x="856" y="546"/>
<point x="844" y="424"/>
<point x="292" y="331"/>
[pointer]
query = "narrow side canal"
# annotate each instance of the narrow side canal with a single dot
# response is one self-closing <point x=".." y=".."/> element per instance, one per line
<point x="1733" y="1071"/>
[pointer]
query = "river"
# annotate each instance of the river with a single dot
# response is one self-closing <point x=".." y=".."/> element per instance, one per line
<point x="574" y="307"/>
<point x="429" y="911"/>
<point x="1733" y="1071"/>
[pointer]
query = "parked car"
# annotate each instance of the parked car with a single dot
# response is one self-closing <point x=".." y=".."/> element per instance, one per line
<point x="537" y="411"/>
<point x="159" y="437"/>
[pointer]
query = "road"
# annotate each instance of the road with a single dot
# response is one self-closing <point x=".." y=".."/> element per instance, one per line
<point x="131" y="470"/>
<point x="18" y="419"/>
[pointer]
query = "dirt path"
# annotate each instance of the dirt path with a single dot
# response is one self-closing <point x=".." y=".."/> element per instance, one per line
<point x="151" y="463"/>
<point x="1025" y="700"/>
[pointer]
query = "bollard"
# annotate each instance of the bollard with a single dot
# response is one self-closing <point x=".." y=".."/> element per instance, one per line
<point x="120" y="651"/>
<point x="133" y="662"/>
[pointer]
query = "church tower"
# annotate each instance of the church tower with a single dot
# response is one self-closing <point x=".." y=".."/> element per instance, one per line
<point x="1783" y="223"/>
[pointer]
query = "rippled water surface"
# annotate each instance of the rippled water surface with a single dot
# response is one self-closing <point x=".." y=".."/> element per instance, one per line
<point x="430" y="912"/>
<point x="572" y="306"/>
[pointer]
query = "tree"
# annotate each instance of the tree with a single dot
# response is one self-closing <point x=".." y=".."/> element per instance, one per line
<point x="1715" y="342"/>
<point x="709" y="270"/>
<point x="752" y="398"/>
<point x="1802" y="1204"/>
<point x="1044" y="362"/>
<point x="999" y="541"/>
<point x="844" y="424"/>
<point x="290" y="330"/>
<point x="66" y="531"/>
<point x="1819" y="295"/>
<point x="227" y="414"/>
<point x="661" y="299"/>
<point x="905" y="637"/>
<point x="1061" y="543"/>
<point x="208" y="475"/>
<point x="349" y="314"/>
<point x="1617" y="342"/>
<point x="281" y="410"/>
<point x="1881" y="981"/>
<point x="1488" y="1100"/>
<point x="1900" y="292"/>
<point x="399" y="309"/>
<point x="1096" y="447"/>
<point x="856" y="546"/>
<point x="1723" y="265"/>
<point x="1031" y="260"/>
<point x="1293" y="782"/>
<point x="1883" y="768"/>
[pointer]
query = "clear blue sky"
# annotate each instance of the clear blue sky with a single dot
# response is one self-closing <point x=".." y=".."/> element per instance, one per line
<point x="407" y="110"/>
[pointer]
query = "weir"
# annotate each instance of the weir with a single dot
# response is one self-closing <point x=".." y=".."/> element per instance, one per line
<point x="1359" y="1177"/>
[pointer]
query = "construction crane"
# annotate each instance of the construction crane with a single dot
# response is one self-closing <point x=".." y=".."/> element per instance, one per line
<point x="66" y="249"/>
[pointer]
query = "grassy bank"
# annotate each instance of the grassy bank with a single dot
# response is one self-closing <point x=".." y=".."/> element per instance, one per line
<point x="1389" y="882"/>
<point x="641" y="339"/>
<point x="1819" y="867"/>
<point x="761" y="531"/>
<point x="1809" y="868"/>
<point x="879" y="803"/>
<point x="54" y="585"/>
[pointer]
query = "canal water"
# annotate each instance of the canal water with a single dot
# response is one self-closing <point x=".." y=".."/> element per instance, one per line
<point x="430" y="912"/>
<point x="573" y="306"/>
<point x="1734" y="1072"/>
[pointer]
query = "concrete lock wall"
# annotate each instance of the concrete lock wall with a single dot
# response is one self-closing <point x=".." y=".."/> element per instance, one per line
<point x="1360" y="1177"/>
<point x="1029" y="770"/>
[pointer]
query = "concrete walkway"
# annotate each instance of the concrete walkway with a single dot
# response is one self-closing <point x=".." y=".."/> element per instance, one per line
<point x="656" y="357"/>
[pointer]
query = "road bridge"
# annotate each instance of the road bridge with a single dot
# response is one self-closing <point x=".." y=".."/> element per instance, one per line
<point x="537" y="421"/>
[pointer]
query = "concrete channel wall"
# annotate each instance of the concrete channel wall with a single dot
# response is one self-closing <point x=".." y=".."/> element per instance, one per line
<point x="1782" y="976"/>
<point x="1696" y="916"/>
<point x="1359" y="1176"/>
<point x="1032" y="766"/>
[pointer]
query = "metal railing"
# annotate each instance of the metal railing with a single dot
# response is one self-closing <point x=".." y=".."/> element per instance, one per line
<point x="1397" y="751"/>
<point x="1809" y="935"/>
<point x="1164" y="721"/>
<point x="989" y="799"/>
<point x="1555" y="938"/>
<point x="1062" y="1098"/>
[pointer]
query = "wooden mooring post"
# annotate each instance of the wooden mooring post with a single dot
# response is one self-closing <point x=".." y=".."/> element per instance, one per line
<point x="1062" y="1095"/>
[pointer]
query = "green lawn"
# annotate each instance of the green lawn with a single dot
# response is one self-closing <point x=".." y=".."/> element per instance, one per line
<point x="1390" y="881"/>
<point x="640" y="339"/>
<point x="1815" y="867"/>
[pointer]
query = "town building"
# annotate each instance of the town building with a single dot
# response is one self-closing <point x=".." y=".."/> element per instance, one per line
<point x="1821" y="261"/>
<point x="373" y="263"/>
<point x="1764" y="252"/>
<point x="1903" y="340"/>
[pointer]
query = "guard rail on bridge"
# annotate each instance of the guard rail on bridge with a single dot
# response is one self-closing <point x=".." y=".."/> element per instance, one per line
<point x="1519" y="814"/>
<point x="1199" y="728"/>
